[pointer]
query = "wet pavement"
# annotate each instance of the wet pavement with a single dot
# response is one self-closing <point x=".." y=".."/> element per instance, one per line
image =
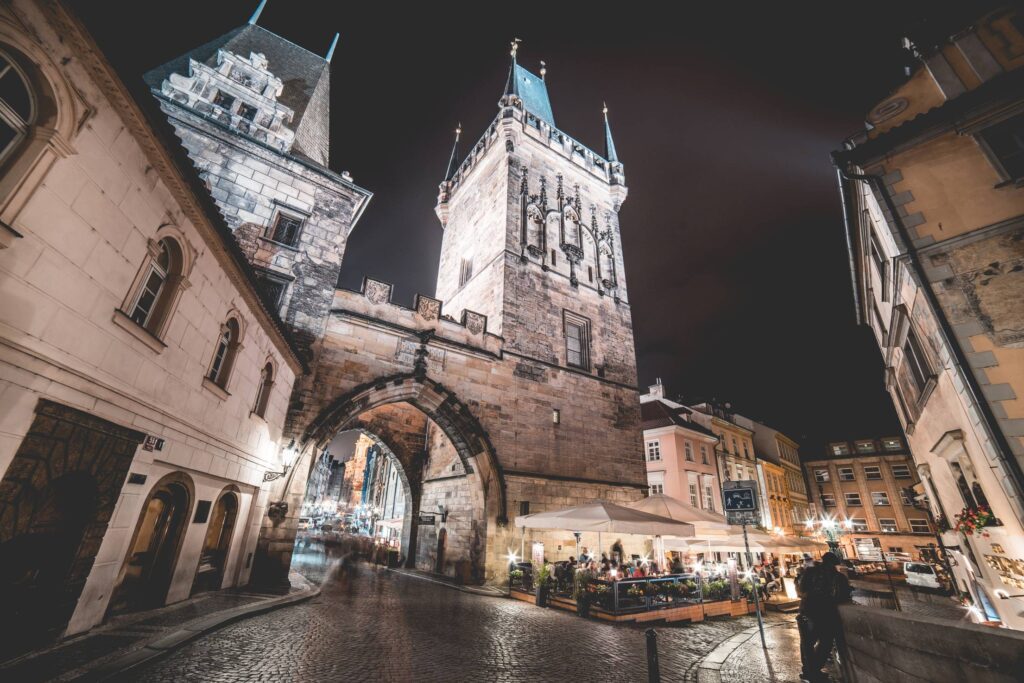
<point x="374" y="624"/>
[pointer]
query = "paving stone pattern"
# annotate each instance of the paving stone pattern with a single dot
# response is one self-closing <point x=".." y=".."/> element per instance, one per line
<point x="383" y="626"/>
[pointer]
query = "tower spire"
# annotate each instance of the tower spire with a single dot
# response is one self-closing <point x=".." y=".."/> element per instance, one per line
<point x="330" y="50"/>
<point x="259" y="10"/>
<point x="609" y="144"/>
<point x="510" y="86"/>
<point x="453" y="161"/>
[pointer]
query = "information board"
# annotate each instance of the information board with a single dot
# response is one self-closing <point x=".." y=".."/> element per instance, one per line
<point x="740" y="496"/>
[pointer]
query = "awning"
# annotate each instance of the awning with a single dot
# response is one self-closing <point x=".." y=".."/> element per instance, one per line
<point x="705" y="523"/>
<point x="603" y="516"/>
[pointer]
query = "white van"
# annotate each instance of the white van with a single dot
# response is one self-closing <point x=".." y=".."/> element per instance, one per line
<point x="921" y="574"/>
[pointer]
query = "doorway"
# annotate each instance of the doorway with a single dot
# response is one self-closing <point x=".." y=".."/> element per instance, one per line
<point x="217" y="544"/>
<point x="146" y="575"/>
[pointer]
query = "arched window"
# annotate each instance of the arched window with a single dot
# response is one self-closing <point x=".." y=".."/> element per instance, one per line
<point x="151" y="302"/>
<point x="17" y="106"/>
<point x="224" y="354"/>
<point x="263" y="390"/>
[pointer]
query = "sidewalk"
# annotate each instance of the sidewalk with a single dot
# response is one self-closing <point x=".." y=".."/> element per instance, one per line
<point x="130" y="640"/>
<point x="740" y="658"/>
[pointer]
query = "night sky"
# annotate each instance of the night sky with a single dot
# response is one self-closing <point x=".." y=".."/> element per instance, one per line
<point x="732" y="232"/>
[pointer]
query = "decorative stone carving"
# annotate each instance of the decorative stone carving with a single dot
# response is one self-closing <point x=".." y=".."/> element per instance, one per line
<point x="427" y="307"/>
<point x="476" y="323"/>
<point x="377" y="292"/>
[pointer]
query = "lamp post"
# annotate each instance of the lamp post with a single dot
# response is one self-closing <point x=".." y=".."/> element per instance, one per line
<point x="832" y="531"/>
<point x="279" y="509"/>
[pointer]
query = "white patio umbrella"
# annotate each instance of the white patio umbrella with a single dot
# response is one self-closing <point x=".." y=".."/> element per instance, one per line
<point x="705" y="523"/>
<point x="603" y="516"/>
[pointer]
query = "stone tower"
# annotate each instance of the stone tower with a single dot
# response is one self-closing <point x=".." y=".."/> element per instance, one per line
<point x="531" y="238"/>
<point x="252" y="110"/>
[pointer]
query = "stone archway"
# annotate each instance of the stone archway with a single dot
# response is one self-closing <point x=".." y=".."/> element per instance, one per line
<point x="371" y="408"/>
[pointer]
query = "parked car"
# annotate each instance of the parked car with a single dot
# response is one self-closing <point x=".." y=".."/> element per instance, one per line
<point x="921" y="574"/>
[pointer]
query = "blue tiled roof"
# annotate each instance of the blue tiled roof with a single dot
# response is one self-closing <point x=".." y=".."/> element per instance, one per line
<point x="534" y="94"/>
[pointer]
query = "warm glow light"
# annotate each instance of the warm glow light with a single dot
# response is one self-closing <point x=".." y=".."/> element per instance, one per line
<point x="848" y="523"/>
<point x="512" y="557"/>
<point x="288" y="455"/>
<point x="809" y="524"/>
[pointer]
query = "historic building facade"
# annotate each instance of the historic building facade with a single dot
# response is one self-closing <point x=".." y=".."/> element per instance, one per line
<point x="514" y="389"/>
<point x="680" y="453"/>
<point x="870" y="482"/>
<point x="144" y="380"/>
<point x="934" y="207"/>
<point x="776" y="447"/>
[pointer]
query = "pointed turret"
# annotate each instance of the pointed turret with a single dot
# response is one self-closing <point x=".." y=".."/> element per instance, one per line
<point x="527" y="90"/>
<point x="609" y="144"/>
<point x="259" y="10"/>
<point x="453" y="161"/>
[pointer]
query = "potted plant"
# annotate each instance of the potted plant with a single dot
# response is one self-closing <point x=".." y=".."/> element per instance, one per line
<point x="515" y="577"/>
<point x="581" y="593"/>
<point x="604" y="594"/>
<point x="543" y="585"/>
<point x="971" y="520"/>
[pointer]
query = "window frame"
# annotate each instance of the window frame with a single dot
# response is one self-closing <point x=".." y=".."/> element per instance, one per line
<point x="180" y="259"/>
<point x="868" y="472"/>
<point x="655" y="489"/>
<point x="927" y="527"/>
<point x="576" y="321"/>
<point x="465" y="271"/>
<point x="688" y="451"/>
<point x="828" y="500"/>
<point x="822" y="476"/>
<point x="264" y="389"/>
<point x="225" y="354"/>
<point x="704" y="454"/>
<point x="693" y="489"/>
<point x="858" y="524"/>
<point x="896" y="467"/>
<point x="994" y="158"/>
<point x="653" y="454"/>
<point x="846" y="474"/>
<point x="287" y="213"/>
<point x="880" y="495"/>
<point x="849" y="502"/>
<point x="11" y="117"/>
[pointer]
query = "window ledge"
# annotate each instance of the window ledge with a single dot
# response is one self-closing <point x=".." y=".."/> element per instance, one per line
<point x="122" y="320"/>
<point x="216" y="389"/>
<point x="253" y="413"/>
<point x="279" y="244"/>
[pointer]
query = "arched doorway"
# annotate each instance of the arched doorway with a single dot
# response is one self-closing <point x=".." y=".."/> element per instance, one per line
<point x="147" y="571"/>
<point x="217" y="543"/>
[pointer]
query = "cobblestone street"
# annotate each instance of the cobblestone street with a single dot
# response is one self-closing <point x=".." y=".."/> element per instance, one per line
<point x="380" y="625"/>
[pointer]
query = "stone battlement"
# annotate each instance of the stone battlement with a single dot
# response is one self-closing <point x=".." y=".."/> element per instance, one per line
<point x="373" y="300"/>
<point x="545" y="134"/>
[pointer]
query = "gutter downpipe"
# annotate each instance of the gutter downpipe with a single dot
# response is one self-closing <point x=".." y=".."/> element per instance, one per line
<point x="996" y="436"/>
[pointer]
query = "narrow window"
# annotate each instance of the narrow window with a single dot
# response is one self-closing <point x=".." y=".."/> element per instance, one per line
<point x="688" y="448"/>
<point x="590" y="273"/>
<point x="149" y="305"/>
<point x="704" y="454"/>
<point x="694" y="501"/>
<point x="577" y="341"/>
<point x="263" y="390"/>
<point x="881" y="265"/>
<point x="709" y="498"/>
<point x="224" y="354"/>
<point x="152" y="287"/>
<point x="465" y="271"/>
<point x="915" y="357"/>
<point x="286" y="229"/>
<point x="654" y="450"/>
<point x="554" y="258"/>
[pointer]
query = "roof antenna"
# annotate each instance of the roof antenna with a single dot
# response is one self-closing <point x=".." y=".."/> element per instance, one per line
<point x="259" y="10"/>
<point x="330" y="50"/>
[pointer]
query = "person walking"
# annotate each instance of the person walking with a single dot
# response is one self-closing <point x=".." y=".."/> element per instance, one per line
<point x="821" y="589"/>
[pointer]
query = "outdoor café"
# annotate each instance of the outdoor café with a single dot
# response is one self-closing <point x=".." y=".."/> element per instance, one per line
<point x="657" y="559"/>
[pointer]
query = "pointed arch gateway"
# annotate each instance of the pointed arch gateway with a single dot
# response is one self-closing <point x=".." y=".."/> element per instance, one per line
<point x="354" y="411"/>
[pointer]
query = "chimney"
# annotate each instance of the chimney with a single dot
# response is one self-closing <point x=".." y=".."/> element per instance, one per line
<point x="657" y="389"/>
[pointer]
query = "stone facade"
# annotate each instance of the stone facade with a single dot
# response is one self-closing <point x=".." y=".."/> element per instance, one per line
<point x="127" y="408"/>
<point x="935" y="208"/>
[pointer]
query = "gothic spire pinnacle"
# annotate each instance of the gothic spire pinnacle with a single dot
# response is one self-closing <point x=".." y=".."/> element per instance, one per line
<point x="510" y="85"/>
<point x="330" y="50"/>
<point x="609" y="144"/>
<point x="259" y="10"/>
<point x="543" y="70"/>
<point x="453" y="161"/>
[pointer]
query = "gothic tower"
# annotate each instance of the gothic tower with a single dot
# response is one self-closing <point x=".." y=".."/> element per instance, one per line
<point x="252" y="110"/>
<point x="531" y="238"/>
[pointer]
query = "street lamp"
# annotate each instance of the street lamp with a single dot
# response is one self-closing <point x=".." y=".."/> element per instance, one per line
<point x="832" y="530"/>
<point x="279" y="509"/>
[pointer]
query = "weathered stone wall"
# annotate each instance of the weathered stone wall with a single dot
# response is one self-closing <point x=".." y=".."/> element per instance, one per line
<point x="885" y="646"/>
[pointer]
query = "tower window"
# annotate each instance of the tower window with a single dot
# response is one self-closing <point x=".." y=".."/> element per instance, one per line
<point x="577" y="341"/>
<point x="590" y="273"/>
<point x="286" y="230"/>
<point x="554" y="258"/>
<point x="465" y="271"/>
<point x="247" y="112"/>
<point x="223" y="100"/>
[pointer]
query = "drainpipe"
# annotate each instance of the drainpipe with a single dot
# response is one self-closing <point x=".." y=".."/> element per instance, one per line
<point x="994" y="434"/>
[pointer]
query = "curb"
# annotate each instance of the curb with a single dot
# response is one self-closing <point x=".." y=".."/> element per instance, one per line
<point x="493" y="593"/>
<point x="169" y="642"/>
